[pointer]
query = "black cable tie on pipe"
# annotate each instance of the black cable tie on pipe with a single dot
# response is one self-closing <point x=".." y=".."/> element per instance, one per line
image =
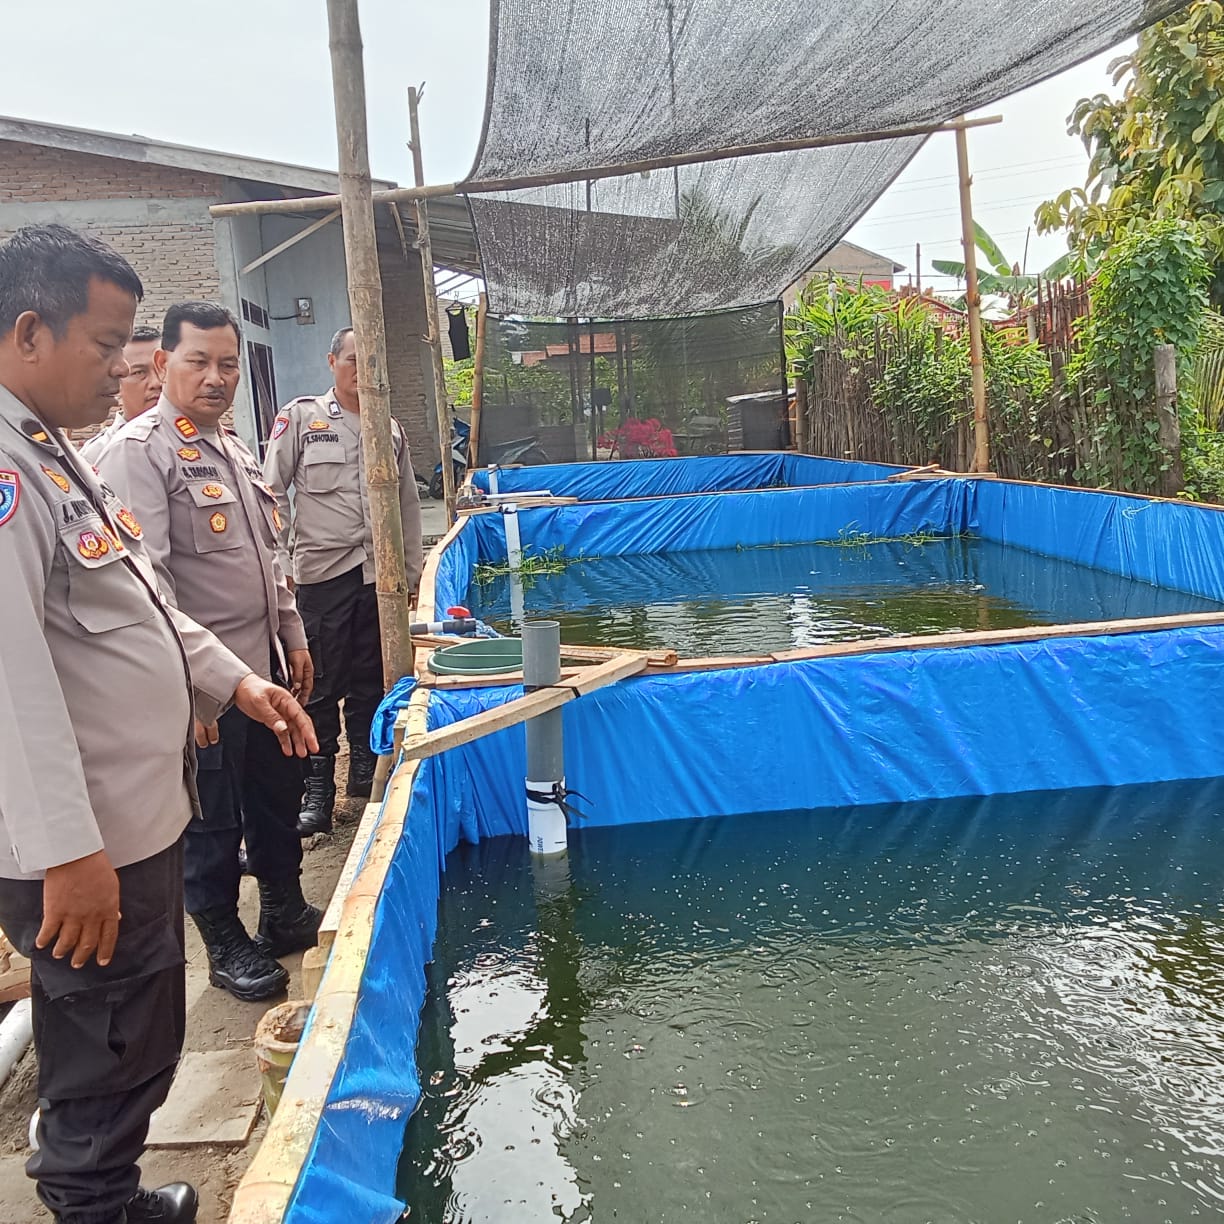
<point x="559" y="796"/>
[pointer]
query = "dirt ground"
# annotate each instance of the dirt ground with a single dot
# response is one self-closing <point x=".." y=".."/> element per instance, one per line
<point x="215" y="1021"/>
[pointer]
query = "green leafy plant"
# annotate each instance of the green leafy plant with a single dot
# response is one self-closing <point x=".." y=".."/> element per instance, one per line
<point x="531" y="567"/>
<point x="1151" y="289"/>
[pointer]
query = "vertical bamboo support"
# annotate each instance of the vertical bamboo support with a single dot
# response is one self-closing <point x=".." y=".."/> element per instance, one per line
<point x="433" y="311"/>
<point x="482" y="322"/>
<point x="973" y="300"/>
<point x="1171" y="478"/>
<point x="365" y="302"/>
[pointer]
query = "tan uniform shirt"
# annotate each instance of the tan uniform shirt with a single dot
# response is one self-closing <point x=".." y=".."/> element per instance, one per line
<point x="96" y="744"/>
<point x="315" y="447"/>
<point x="91" y="450"/>
<point x="210" y="529"/>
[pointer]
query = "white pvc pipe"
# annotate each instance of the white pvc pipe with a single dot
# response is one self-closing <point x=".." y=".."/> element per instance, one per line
<point x="16" y="1033"/>
<point x="514" y="559"/>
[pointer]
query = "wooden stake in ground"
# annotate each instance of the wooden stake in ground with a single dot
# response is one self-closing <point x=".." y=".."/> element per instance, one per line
<point x="1171" y="479"/>
<point x="365" y="302"/>
<point x="973" y="301"/>
<point x="433" y="310"/>
<point x="482" y="322"/>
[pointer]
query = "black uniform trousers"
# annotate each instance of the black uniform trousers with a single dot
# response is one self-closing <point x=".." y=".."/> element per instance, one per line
<point x="248" y="789"/>
<point x="107" y="1039"/>
<point x="341" y="619"/>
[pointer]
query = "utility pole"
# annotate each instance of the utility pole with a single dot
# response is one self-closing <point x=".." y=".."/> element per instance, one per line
<point x="369" y="332"/>
<point x="433" y="312"/>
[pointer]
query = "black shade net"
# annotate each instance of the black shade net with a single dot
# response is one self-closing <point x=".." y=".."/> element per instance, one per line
<point x="559" y="392"/>
<point x="584" y="83"/>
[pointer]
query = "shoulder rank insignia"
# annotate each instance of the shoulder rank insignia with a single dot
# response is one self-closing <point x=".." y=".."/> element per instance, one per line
<point x="58" y="480"/>
<point x="190" y="453"/>
<point x="91" y="546"/>
<point x="213" y="490"/>
<point x="185" y="427"/>
<point x="334" y="410"/>
<point x="127" y="520"/>
<point x="36" y="433"/>
<point x="317" y="425"/>
<point x="279" y="426"/>
<point x="217" y="523"/>
<point x="10" y="495"/>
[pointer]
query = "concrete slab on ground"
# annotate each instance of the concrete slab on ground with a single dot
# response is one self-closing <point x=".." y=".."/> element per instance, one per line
<point x="215" y="1098"/>
<point x="433" y="520"/>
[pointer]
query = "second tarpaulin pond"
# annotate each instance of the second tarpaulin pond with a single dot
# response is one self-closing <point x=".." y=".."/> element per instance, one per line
<point x="734" y="601"/>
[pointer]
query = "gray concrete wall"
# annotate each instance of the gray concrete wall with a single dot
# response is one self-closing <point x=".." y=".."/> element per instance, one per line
<point x="312" y="268"/>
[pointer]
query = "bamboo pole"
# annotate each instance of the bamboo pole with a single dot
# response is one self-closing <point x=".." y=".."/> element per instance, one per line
<point x="404" y="195"/>
<point x="365" y="301"/>
<point x="424" y="247"/>
<point x="973" y="301"/>
<point x="482" y="322"/>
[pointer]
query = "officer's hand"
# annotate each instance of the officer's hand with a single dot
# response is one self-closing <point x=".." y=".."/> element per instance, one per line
<point x="278" y="710"/>
<point x="81" y="907"/>
<point x="290" y="584"/>
<point x="301" y="674"/>
<point x="206" y="735"/>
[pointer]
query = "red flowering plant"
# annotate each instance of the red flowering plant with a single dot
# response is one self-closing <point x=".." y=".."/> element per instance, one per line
<point x="636" y="439"/>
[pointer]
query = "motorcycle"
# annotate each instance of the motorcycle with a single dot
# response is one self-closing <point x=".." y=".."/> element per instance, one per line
<point x="516" y="451"/>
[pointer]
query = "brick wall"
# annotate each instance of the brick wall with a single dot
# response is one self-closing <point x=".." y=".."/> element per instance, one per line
<point x="407" y="355"/>
<point x="174" y="259"/>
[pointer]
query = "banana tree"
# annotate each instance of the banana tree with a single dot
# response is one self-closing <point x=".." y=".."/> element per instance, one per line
<point x="1004" y="278"/>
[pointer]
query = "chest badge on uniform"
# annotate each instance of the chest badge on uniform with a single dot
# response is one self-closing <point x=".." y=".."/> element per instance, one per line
<point x="58" y="480"/>
<point x="279" y="426"/>
<point x="113" y="536"/>
<point x="127" y="520"/>
<point x="277" y="521"/>
<point x="317" y="425"/>
<point x="10" y="495"/>
<point x="213" y="490"/>
<point x="218" y="523"/>
<point x="185" y="427"/>
<point x="189" y="453"/>
<point x="334" y="410"/>
<point x="91" y="546"/>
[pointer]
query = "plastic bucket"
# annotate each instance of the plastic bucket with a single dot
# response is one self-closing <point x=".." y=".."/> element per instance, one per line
<point x="276" y="1042"/>
<point x="479" y="657"/>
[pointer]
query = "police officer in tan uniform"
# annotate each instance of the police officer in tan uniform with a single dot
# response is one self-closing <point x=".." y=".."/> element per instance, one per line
<point x="315" y="448"/>
<point x="210" y="526"/>
<point x="91" y="854"/>
<point x="139" y="390"/>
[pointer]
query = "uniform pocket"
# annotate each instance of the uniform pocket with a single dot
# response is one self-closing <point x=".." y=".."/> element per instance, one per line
<point x="102" y="595"/>
<point x="324" y="467"/>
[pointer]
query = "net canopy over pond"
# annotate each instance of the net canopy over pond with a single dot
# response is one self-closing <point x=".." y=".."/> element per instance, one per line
<point x="581" y="84"/>
<point x="697" y="385"/>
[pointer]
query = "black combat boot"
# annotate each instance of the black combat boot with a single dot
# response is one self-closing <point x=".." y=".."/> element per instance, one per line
<point x="360" y="771"/>
<point x="287" y="923"/>
<point x="234" y="962"/>
<point x="173" y="1204"/>
<point x="320" y="797"/>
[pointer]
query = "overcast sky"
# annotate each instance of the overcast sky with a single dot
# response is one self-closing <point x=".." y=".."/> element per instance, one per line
<point x="254" y="77"/>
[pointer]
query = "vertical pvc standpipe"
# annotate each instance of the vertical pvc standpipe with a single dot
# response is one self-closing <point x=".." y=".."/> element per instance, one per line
<point x="514" y="560"/>
<point x="545" y="750"/>
<point x="493" y="478"/>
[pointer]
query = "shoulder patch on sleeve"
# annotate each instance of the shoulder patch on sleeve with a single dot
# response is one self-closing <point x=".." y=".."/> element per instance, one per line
<point x="280" y="424"/>
<point x="10" y="494"/>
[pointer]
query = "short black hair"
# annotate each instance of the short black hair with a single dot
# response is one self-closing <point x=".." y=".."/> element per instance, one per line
<point x="145" y="332"/>
<point x="338" y="341"/>
<point x="47" y="269"/>
<point x="204" y="315"/>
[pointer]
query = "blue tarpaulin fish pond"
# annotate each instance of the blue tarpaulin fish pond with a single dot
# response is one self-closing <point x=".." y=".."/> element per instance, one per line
<point x="1042" y="709"/>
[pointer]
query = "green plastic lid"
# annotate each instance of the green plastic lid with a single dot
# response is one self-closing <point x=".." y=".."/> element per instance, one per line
<point x="479" y="657"/>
